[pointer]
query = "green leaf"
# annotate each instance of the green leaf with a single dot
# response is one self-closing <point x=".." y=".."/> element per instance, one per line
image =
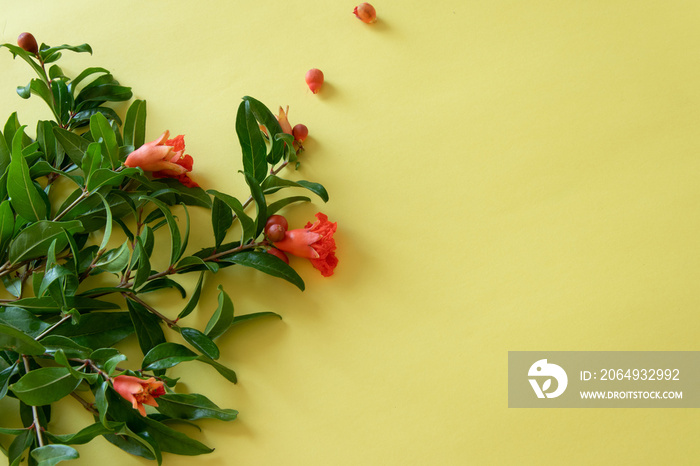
<point x="102" y="132"/>
<point x="135" y="124"/>
<point x="4" y="154"/>
<point x="175" y="241"/>
<point x="34" y="241"/>
<point x="173" y="441"/>
<point x="101" y="402"/>
<point x="71" y="349"/>
<point x="50" y="51"/>
<point x="15" y="340"/>
<point x="252" y="143"/>
<point x="268" y="264"/>
<point x="7" y="225"/>
<point x="102" y="93"/>
<point x="220" y="368"/>
<point x="282" y="203"/>
<point x="160" y="283"/>
<point x="167" y="355"/>
<point x="98" y="329"/>
<point x="194" y="299"/>
<point x="26" y="56"/>
<point x="107" y="177"/>
<point x="47" y="141"/>
<point x="273" y="183"/>
<point x="260" y="204"/>
<point x="144" y="264"/>
<point x="24" y="196"/>
<point x="247" y="223"/>
<point x="256" y="315"/>
<point x="193" y="407"/>
<point x="46" y="305"/>
<point x="222" y="318"/>
<point x="200" y="341"/>
<point x="44" y="386"/>
<point x="269" y="121"/>
<point x="83" y="436"/>
<point x="147" y="326"/>
<point x="52" y="275"/>
<point x="49" y="455"/>
<point x="23" y="320"/>
<point x="221" y="220"/>
<point x="84" y="74"/>
<point x="194" y="264"/>
<point x="115" y="260"/>
<point x="63" y="100"/>
<point x="74" y="145"/>
<point x="5" y="377"/>
<point x="134" y="444"/>
<point x="19" y="444"/>
<point x="60" y="358"/>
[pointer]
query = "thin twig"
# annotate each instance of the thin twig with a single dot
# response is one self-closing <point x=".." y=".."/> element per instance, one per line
<point x="35" y="413"/>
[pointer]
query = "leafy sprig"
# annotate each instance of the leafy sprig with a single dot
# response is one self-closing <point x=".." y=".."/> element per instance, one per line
<point x="57" y="331"/>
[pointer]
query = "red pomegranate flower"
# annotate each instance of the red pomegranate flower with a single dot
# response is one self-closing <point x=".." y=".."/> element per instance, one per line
<point x="314" y="242"/>
<point x="138" y="391"/>
<point x="165" y="158"/>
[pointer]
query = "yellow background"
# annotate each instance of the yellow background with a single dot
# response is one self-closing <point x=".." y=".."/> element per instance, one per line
<point x="506" y="175"/>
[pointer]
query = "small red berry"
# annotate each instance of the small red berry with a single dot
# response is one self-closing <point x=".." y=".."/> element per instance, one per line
<point x="300" y="132"/>
<point x="276" y="220"/>
<point x="314" y="78"/>
<point x="27" y="42"/>
<point x="366" y="13"/>
<point x="277" y="253"/>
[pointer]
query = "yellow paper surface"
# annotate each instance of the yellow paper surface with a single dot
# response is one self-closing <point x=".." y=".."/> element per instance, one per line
<point x="505" y="176"/>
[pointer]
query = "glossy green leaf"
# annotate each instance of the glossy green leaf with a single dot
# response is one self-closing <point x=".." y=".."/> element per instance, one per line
<point x="13" y="339"/>
<point x="269" y="121"/>
<point x="4" y="154"/>
<point x="18" y="445"/>
<point x="34" y="241"/>
<point x="260" y="204"/>
<point x="115" y="260"/>
<point x="47" y="141"/>
<point x="256" y="315"/>
<point x="38" y="87"/>
<point x="227" y="373"/>
<point x="273" y="183"/>
<point x="135" y="124"/>
<point x="268" y="264"/>
<point x="49" y="455"/>
<point x="148" y="330"/>
<point x="84" y="74"/>
<point x="26" y="56"/>
<point x="48" y="52"/>
<point x="222" y="318"/>
<point x="161" y="283"/>
<point x="46" y="305"/>
<point x="194" y="264"/>
<point x="192" y="407"/>
<point x="102" y="93"/>
<point x="83" y="436"/>
<point x="71" y="349"/>
<point x="98" y="329"/>
<point x="5" y="376"/>
<point x="102" y="132"/>
<point x="101" y="402"/>
<point x="200" y="341"/>
<point x="194" y="299"/>
<point x="143" y="271"/>
<point x="61" y="358"/>
<point x="73" y="144"/>
<point x="221" y="220"/>
<point x="23" y="320"/>
<point x="172" y="441"/>
<point x="252" y="143"/>
<point x="175" y="239"/>
<point x="63" y="100"/>
<point x="134" y="444"/>
<point x="167" y="355"/>
<point x="182" y="194"/>
<point x="247" y="223"/>
<point x="24" y="195"/>
<point x="7" y="225"/>
<point x="44" y="386"/>
<point x="53" y="275"/>
<point x="282" y="203"/>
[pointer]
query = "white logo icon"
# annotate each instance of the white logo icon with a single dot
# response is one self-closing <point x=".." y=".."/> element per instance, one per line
<point x="542" y="369"/>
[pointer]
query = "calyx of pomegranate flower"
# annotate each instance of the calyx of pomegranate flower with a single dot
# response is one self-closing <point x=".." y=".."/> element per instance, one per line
<point x="165" y="158"/>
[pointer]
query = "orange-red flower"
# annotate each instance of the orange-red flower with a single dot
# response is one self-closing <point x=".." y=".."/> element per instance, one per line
<point x="138" y="391"/>
<point x="314" y="242"/>
<point x="165" y="158"/>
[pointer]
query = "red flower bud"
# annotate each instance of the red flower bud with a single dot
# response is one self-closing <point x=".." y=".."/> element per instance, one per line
<point x="300" y="132"/>
<point x="27" y="42"/>
<point x="314" y="79"/>
<point x="277" y="253"/>
<point x="366" y="13"/>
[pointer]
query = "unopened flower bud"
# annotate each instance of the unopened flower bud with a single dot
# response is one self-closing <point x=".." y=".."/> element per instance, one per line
<point x="366" y="13"/>
<point x="300" y="132"/>
<point x="27" y="42"/>
<point x="275" y="228"/>
<point x="279" y="254"/>
<point x="314" y="79"/>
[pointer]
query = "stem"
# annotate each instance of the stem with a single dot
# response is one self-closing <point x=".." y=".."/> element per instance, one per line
<point x="50" y="329"/>
<point x="133" y="297"/>
<point x="35" y="413"/>
<point x="85" y="194"/>
<point x="86" y="405"/>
